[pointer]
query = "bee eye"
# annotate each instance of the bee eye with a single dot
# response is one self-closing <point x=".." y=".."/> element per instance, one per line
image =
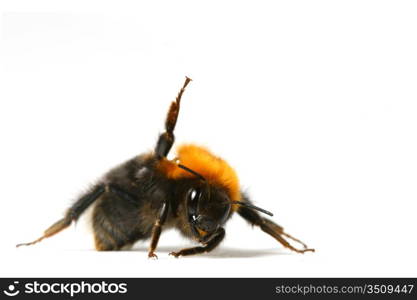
<point x="193" y="194"/>
<point x="193" y="197"/>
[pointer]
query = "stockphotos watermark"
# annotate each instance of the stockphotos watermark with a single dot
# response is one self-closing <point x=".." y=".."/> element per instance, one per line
<point x="71" y="289"/>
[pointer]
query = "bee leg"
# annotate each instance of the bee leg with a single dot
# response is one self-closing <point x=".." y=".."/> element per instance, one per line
<point x="157" y="228"/>
<point x="71" y="215"/>
<point x="166" y="139"/>
<point x="210" y="245"/>
<point x="277" y="232"/>
<point x="271" y="228"/>
<point x="52" y="230"/>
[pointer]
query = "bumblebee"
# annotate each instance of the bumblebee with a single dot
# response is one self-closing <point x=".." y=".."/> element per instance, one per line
<point x="197" y="193"/>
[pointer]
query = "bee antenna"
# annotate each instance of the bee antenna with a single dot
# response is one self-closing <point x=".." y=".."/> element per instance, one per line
<point x="251" y="206"/>
<point x="191" y="171"/>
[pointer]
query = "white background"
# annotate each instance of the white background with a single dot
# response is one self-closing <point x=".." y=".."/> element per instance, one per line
<point x="313" y="103"/>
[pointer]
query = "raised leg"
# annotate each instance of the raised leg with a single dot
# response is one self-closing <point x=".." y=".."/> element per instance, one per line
<point x="71" y="215"/>
<point x="271" y="228"/>
<point x="166" y="139"/>
<point x="157" y="228"/>
<point x="210" y="245"/>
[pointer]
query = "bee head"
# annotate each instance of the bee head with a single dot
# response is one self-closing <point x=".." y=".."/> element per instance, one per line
<point x="208" y="208"/>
